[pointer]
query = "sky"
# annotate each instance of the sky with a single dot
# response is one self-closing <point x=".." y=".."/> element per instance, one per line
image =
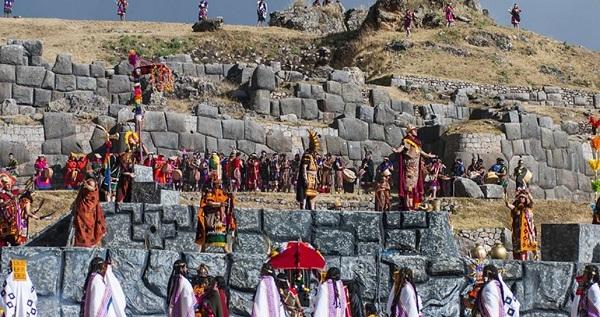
<point x="573" y="21"/>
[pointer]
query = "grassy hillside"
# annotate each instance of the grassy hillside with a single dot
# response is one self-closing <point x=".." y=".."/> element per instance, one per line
<point x="479" y="52"/>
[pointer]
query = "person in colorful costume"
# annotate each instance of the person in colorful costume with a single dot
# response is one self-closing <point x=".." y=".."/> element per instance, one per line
<point x="474" y="278"/>
<point x="122" y="9"/>
<point x="235" y="166"/>
<point x="89" y="223"/>
<point x="332" y="298"/>
<point x="285" y="178"/>
<point x="103" y="295"/>
<point x="289" y="297"/>
<point x="261" y="11"/>
<point x="383" y="192"/>
<point x="515" y="16"/>
<point x="306" y="184"/>
<point x="43" y="173"/>
<point x="495" y="298"/>
<point x="586" y="302"/>
<point x="449" y="14"/>
<point x="180" y="293"/>
<point x="126" y="178"/>
<point x="216" y="219"/>
<point x="410" y="164"/>
<point x="203" y="10"/>
<point x="253" y="173"/>
<point x="404" y="300"/>
<point x="19" y="295"/>
<point x="75" y="170"/>
<point x="8" y="8"/>
<point x="524" y="233"/>
<point x="15" y="211"/>
<point x="409" y="21"/>
<point x="267" y="300"/>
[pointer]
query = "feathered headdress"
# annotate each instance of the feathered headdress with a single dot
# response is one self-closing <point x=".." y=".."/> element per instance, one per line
<point x="313" y="141"/>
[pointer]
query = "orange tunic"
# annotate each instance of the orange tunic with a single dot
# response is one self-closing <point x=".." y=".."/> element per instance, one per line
<point x="89" y="222"/>
<point x="215" y="215"/>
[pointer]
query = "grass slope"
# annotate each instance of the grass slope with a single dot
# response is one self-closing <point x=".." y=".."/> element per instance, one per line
<point x="532" y="60"/>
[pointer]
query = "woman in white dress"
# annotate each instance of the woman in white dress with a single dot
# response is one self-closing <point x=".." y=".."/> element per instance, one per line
<point x="180" y="293"/>
<point x="267" y="301"/>
<point x="586" y="302"/>
<point x="331" y="300"/>
<point x="495" y="299"/>
<point x="404" y="301"/>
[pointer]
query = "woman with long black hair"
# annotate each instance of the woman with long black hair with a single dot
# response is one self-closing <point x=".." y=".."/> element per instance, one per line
<point x="495" y="299"/>
<point x="180" y="293"/>
<point x="331" y="297"/>
<point x="587" y="297"/>
<point x="404" y="301"/>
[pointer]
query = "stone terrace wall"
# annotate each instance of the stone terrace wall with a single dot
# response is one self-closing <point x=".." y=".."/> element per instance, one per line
<point x="339" y="233"/>
<point x="548" y="95"/>
<point x="543" y="288"/>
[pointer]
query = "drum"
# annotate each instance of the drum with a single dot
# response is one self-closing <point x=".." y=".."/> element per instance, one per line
<point x="48" y="172"/>
<point x="528" y="177"/>
<point x="166" y="169"/>
<point x="177" y="175"/>
<point x="491" y="178"/>
<point x="349" y="176"/>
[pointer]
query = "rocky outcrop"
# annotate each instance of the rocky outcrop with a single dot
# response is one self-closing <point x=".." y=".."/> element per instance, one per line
<point x="208" y="25"/>
<point x="324" y="20"/>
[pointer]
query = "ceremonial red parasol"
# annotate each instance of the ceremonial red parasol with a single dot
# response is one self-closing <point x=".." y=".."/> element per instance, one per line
<point x="298" y="255"/>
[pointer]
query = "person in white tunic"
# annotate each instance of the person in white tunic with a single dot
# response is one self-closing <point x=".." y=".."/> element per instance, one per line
<point x="495" y="299"/>
<point x="331" y="300"/>
<point x="404" y="301"/>
<point x="180" y="293"/>
<point x="267" y="301"/>
<point x="586" y="302"/>
<point x="103" y="295"/>
<point x="18" y="293"/>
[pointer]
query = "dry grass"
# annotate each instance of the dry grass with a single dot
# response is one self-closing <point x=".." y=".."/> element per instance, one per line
<point x="475" y="126"/>
<point x="58" y="201"/>
<point x="519" y="66"/>
<point x="474" y="214"/>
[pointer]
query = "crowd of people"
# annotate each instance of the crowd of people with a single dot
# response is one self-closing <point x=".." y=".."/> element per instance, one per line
<point x="202" y="295"/>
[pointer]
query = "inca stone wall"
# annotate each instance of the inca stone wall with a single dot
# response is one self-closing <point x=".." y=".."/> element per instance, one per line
<point x="362" y="244"/>
<point x="547" y="95"/>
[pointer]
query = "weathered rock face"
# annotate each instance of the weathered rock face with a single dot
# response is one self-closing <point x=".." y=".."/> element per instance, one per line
<point x="385" y="15"/>
<point x="208" y="25"/>
<point x="318" y="20"/>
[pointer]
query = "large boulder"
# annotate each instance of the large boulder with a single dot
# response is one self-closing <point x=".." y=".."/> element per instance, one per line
<point x="58" y="125"/>
<point x="316" y="20"/>
<point x="464" y="187"/>
<point x="208" y="25"/>
<point x="263" y="78"/>
<point x="352" y="129"/>
<point x="354" y="18"/>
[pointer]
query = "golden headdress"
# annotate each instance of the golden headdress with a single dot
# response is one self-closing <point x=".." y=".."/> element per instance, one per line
<point x="313" y="141"/>
<point x="131" y="138"/>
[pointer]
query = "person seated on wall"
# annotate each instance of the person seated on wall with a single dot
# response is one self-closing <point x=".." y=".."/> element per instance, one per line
<point x="476" y="171"/>
<point x="500" y="171"/>
<point x="216" y="219"/>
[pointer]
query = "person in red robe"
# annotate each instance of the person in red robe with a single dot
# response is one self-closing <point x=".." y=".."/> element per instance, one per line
<point x="126" y="178"/>
<point x="411" y="174"/>
<point x="71" y="172"/>
<point x="89" y="223"/>
<point x="253" y="173"/>
<point x="235" y="166"/>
